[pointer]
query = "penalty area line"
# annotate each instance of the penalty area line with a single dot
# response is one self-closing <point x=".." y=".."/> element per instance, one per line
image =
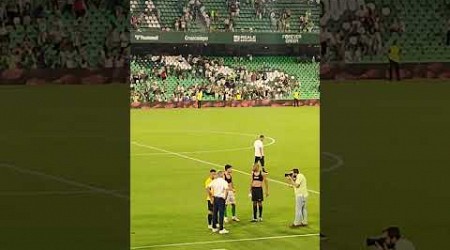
<point x="208" y="163"/>
<point x="224" y="241"/>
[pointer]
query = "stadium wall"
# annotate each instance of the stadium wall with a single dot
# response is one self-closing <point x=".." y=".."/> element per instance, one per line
<point x="209" y="104"/>
<point x="174" y="37"/>
<point x="337" y="71"/>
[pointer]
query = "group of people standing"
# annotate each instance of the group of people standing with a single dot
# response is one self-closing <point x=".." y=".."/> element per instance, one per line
<point x="220" y="191"/>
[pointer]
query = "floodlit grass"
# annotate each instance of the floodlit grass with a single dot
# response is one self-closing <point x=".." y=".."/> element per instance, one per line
<point x="169" y="166"/>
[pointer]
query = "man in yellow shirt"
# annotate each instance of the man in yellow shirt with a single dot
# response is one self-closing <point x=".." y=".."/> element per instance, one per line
<point x="298" y="181"/>
<point x="212" y="175"/>
<point x="296" y="98"/>
<point x="394" y="60"/>
<point x="238" y="96"/>
<point x="199" y="98"/>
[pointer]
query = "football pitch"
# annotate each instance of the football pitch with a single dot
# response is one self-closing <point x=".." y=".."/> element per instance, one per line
<point x="172" y="151"/>
<point x="59" y="181"/>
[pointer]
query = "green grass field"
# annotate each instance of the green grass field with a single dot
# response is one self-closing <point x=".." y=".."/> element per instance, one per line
<point x="55" y="159"/>
<point x="172" y="152"/>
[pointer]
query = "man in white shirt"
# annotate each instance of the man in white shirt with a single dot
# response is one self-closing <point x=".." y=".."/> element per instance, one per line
<point x="259" y="151"/>
<point x="298" y="181"/>
<point x="218" y="191"/>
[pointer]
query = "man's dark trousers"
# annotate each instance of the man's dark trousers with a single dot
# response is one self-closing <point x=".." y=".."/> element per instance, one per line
<point x="394" y="66"/>
<point x="218" y="211"/>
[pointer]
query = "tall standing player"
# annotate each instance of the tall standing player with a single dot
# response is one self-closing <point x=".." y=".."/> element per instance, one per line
<point x="259" y="152"/>
<point x="211" y="177"/>
<point x="256" y="191"/>
<point x="231" y="198"/>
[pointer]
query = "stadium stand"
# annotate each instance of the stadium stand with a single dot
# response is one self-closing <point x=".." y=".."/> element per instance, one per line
<point x="227" y="15"/>
<point x="145" y="14"/>
<point x="64" y="34"/>
<point x="361" y="31"/>
<point x="176" y="78"/>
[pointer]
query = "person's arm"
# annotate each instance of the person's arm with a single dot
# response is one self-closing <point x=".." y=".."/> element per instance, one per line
<point x="261" y="150"/>
<point x="227" y="188"/>
<point x="251" y="182"/>
<point x="209" y="193"/>
<point x="266" y="184"/>
<point x="231" y="186"/>
<point x="292" y="182"/>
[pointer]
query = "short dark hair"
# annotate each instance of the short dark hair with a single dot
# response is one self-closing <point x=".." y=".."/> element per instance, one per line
<point x="393" y="232"/>
<point x="212" y="170"/>
<point x="261" y="136"/>
<point x="228" y="166"/>
<point x="295" y="170"/>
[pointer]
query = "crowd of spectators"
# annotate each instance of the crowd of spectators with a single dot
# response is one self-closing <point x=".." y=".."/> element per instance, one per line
<point x="279" y="19"/>
<point x="191" y="11"/>
<point x="359" y="34"/>
<point x="58" y="34"/>
<point x="150" y="17"/>
<point x="217" y="81"/>
<point x="363" y="31"/>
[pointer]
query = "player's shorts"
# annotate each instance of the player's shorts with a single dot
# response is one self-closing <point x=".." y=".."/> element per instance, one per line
<point x="210" y="206"/>
<point x="231" y="198"/>
<point x="257" y="194"/>
<point x="259" y="159"/>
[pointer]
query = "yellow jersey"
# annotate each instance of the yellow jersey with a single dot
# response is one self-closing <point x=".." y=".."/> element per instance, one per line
<point x="296" y="95"/>
<point x="199" y="96"/>
<point x="238" y="97"/>
<point x="206" y="185"/>
<point x="394" y="53"/>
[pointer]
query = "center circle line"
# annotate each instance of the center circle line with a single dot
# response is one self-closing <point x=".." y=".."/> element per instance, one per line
<point x="272" y="141"/>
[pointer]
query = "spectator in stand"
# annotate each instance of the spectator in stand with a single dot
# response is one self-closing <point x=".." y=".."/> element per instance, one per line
<point x="213" y="15"/>
<point x="273" y="20"/>
<point x="302" y="23"/>
<point x="183" y="24"/>
<point x="79" y="7"/>
<point x="207" y="22"/>
<point x="259" y="8"/>
<point x="229" y="24"/>
<point x="177" y="24"/>
<point x="397" y="26"/>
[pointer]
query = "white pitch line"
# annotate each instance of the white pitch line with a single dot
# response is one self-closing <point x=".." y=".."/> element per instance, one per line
<point x="63" y="180"/>
<point x="272" y="141"/>
<point x="207" y="162"/>
<point x="224" y="241"/>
